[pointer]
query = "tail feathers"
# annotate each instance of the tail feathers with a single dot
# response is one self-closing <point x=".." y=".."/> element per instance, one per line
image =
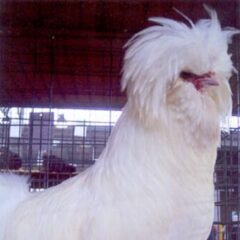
<point x="13" y="190"/>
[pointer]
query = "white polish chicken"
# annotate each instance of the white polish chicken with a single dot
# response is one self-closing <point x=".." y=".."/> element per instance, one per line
<point x="154" y="180"/>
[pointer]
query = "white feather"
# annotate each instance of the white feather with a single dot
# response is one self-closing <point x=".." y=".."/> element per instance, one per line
<point x="13" y="190"/>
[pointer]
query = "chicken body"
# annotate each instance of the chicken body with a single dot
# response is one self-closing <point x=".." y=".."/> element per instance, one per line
<point x="144" y="186"/>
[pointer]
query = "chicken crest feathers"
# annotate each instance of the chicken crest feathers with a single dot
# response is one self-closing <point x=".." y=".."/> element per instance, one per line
<point x="156" y="55"/>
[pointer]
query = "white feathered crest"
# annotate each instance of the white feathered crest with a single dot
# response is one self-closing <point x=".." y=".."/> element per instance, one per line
<point x="156" y="55"/>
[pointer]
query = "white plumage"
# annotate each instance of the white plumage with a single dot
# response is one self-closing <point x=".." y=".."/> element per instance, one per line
<point x="154" y="180"/>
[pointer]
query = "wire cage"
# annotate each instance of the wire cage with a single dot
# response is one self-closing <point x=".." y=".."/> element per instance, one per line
<point x="227" y="187"/>
<point x="51" y="149"/>
<point x="227" y="171"/>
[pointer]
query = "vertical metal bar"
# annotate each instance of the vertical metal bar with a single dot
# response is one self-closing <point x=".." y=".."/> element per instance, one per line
<point x="41" y="129"/>
<point x="110" y="87"/>
<point x="237" y="51"/>
<point x="73" y="145"/>
<point x="95" y="141"/>
<point x="50" y="122"/>
<point x="7" y="144"/>
<point x="61" y="146"/>
<point x="30" y="143"/>
<point x="84" y="144"/>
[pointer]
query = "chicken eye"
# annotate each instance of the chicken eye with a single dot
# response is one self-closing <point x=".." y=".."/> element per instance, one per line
<point x="187" y="75"/>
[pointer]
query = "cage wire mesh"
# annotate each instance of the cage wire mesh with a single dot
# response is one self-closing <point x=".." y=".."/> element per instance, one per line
<point x="227" y="171"/>
<point x="50" y="148"/>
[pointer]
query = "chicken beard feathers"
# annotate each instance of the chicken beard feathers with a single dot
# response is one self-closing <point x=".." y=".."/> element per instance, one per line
<point x="196" y="113"/>
<point x="223" y="100"/>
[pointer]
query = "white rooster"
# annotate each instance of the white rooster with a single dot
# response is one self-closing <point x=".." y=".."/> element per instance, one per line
<point x="154" y="180"/>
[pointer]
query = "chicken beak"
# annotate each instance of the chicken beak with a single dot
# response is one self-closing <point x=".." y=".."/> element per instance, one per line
<point x="200" y="81"/>
<point x="209" y="82"/>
